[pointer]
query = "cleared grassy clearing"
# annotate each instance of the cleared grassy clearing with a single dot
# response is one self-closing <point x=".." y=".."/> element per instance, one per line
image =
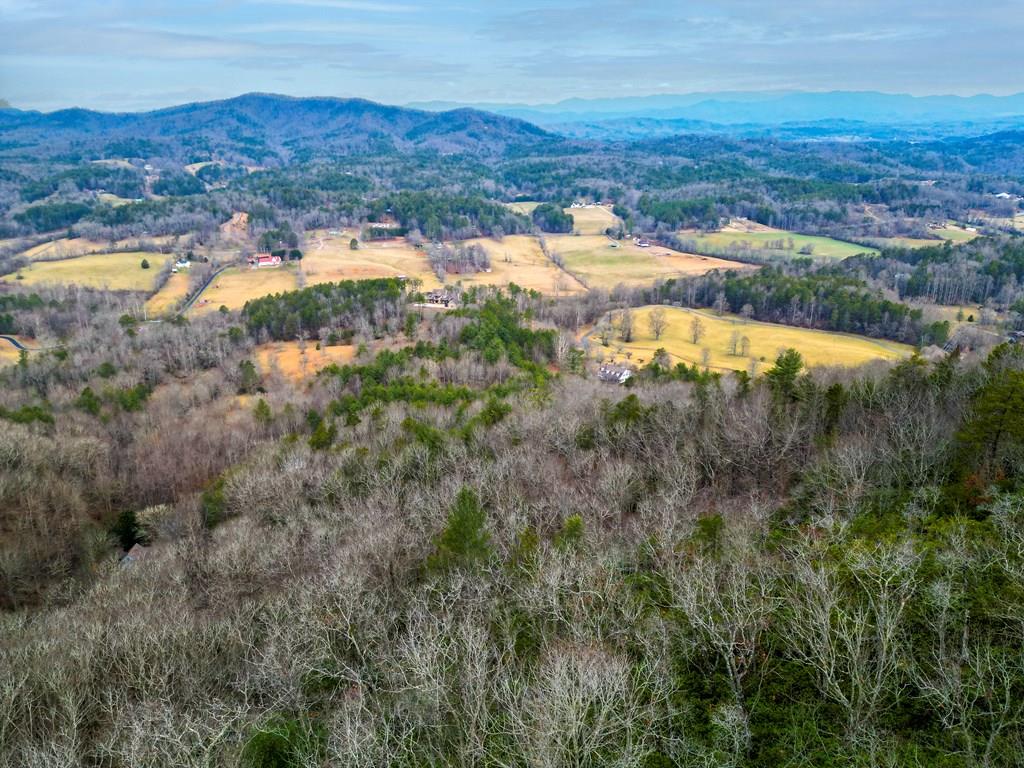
<point x="773" y="244"/>
<point x="64" y="247"/>
<point x="114" y="200"/>
<point x="329" y="259"/>
<point x="593" y="220"/>
<point x="195" y="168"/>
<point x="983" y="218"/>
<point x="525" y="208"/>
<point x="955" y="234"/>
<point x="237" y="285"/>
<point x="765" y="341"/>
<point x="951" y="232"/>
<point x="298" y="361"/>
<point x="957" y="316"/>
<point x="604" y="263"/>
<point x="114" y="163"/>
<point x="518" y="259"/>
<point x="114" y="271"/>
<point x="170" y="295"/>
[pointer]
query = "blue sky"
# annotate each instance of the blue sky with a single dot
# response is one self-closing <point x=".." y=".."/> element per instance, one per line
<point x="141" y="54"/>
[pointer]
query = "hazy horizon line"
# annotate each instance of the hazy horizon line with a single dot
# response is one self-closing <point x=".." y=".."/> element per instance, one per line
<point x="537" y="104"/>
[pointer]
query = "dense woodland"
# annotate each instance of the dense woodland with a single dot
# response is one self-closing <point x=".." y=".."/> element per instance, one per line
<point x="463" y="549"/>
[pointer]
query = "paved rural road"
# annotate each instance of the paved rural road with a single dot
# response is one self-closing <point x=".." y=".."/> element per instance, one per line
<point x="188" y="304"/>
<point x="17" y="344"/>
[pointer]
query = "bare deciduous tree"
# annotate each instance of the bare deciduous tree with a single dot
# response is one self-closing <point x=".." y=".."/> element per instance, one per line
<point x="696" y="329"/>
<point x="657" y="322"/>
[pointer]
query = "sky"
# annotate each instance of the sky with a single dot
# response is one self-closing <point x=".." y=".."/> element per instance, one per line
<point x="127" y="55"/>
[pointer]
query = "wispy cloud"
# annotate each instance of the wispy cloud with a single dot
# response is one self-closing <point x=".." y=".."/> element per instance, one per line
<point x="57" y="52"/>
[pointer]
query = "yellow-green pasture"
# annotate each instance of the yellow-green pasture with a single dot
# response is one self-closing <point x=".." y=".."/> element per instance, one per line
<point x="763" y="342"/>
<point x="601" y="262"/>
<point x="113" y="271"/>
<point x="773" y="244"/>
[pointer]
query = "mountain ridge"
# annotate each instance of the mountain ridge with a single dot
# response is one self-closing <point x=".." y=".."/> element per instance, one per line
<point x="761" y="107"/>
<point x="260" y="126"/>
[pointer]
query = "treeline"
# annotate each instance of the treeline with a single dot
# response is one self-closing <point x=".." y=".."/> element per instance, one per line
<point x="679" y="214"/>
<point x="822" y="298"/>
<point x="20" y="303"/>
<point x="447" y="217"/>
<point x="50" y="216"/>
<point x="124" y="182"/>
<point x="341" y="309"/>
<point x="176" y="184"/>
<point x="552" y="218"/>
<point x="984" y="270"/>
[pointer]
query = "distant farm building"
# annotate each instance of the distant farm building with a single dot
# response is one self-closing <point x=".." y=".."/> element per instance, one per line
<point x="442" y="298"/>
<point x="264" y="260"/>
<point x="615" y="374"/>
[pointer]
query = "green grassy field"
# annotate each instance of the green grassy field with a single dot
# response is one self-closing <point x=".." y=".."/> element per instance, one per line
<point x="773" y="244"/>
<point x="765" y="341"/>
<point x="593" y="220"/>
<point x="604" y="263"/>
<point x="951" y="233"/>
<point x="114" y="271"/>
<point x="524" y="208"/>
<point x="955" y="234"/>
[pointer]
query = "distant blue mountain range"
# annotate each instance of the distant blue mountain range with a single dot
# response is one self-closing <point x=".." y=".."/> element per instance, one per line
<point x="650" y="115"/>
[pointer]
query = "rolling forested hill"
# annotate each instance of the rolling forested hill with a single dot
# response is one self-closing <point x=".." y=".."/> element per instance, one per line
<point x="260" y="128"/>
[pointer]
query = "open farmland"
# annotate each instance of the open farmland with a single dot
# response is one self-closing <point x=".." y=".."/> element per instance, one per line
<point x="237" y="285"/>
<point x="64" y="247"/>
<point x="765" y="340"/>
<point x="170" y="295"/>
<point x="518" y="259"/>
<point x="956" y="234"/>
<point x="329" y="259"/>
<point x="950" y="233"/>
<point x="593" y="219"/>
<point x="772" y="244"/>
<point x="114" y="271"/>
<point x="600" y="262"/>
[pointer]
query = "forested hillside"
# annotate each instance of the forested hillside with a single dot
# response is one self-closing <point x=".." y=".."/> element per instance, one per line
<point x="461" y="548"/>
<point x="319" y="162"/>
